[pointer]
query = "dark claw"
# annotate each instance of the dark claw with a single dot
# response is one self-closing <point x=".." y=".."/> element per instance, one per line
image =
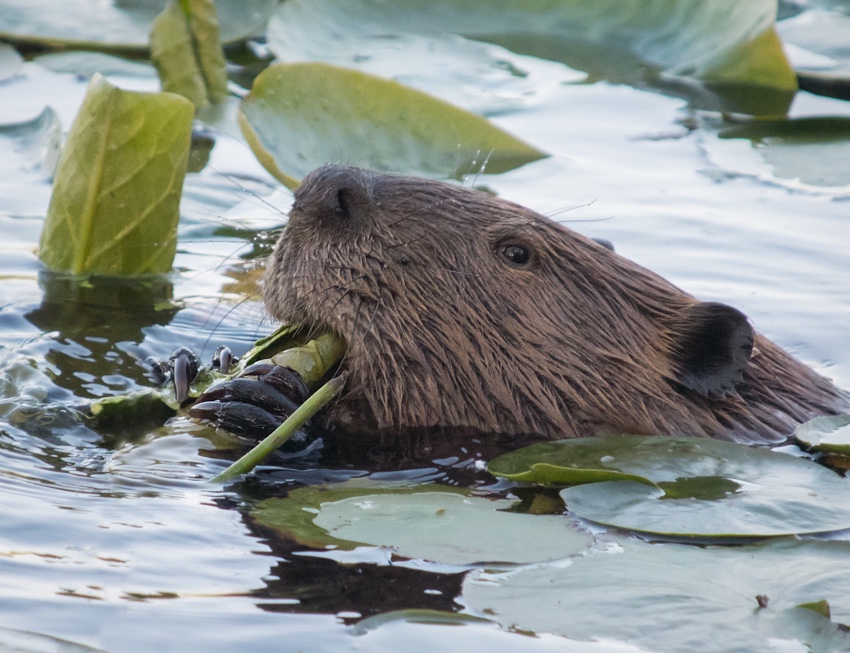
<point x="251" y="391"/>
<point x="184" y="365"/>
<point x="223" y="359"/>
<point x="287" y="381"/>
<point x="255" y="403"/>
<point x="239" y="418"/>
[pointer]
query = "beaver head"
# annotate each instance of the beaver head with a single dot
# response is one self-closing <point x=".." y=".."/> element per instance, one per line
<point x="464" y="311"/>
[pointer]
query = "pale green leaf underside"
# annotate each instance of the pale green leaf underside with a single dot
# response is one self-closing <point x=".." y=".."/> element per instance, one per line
<point x="116" y="195"/>
<point x="299" y="116"/>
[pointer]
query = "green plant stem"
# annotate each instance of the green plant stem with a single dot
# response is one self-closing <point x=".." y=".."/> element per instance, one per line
<point x="282" y="433"/>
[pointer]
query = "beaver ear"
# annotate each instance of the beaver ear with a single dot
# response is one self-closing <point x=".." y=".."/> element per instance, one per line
<point x="713" y="348"/>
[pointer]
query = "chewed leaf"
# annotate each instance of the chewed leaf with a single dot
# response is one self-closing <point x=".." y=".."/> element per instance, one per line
<point x="433" y="523"/>
<point x="115" y="201"/>
<point x="299" y="116"/>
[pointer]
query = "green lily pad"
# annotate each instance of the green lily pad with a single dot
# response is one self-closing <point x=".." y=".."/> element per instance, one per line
<point x="433" y="523"/>
<point x="571" y="462"/>
<point x="299" y="116"/>
<point x="719" y="490"/>
<point x="828" y="434"/>
<point x="115" y="202"/>
<point x="186" y="50"/>
<point x="686" y="487"/>
<point x="114" y="25"/>
<point x="676" y="598"/>
<point x="726" y="44"/>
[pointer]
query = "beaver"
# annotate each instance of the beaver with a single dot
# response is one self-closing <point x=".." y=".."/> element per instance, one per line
<point x="465" y="311"/>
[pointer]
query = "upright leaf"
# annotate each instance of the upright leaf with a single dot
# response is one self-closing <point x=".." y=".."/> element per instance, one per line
<point x="116" y="196"/>
<point x="186" y="50"/>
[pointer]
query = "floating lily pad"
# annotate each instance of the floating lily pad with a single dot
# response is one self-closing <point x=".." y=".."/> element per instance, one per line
<point x="720" y="491"/>
<point x="727" y="44"/>
<point x="829" y="434"/>
<point x="299" y="116"/>
<point x="686" y="486"/>
<point x="572" y="462"/>
<point x="672" y="598"/>
<point x="429" y="522"/>
<point x="114" y="25"/>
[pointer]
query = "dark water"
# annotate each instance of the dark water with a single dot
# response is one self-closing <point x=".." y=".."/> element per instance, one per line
<point x="116" y="542"/>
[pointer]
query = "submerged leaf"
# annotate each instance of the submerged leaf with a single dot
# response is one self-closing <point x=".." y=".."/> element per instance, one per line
<point x="186" y="50"/>
<point x="299" y="116"/>
<point x="116" y="197"/>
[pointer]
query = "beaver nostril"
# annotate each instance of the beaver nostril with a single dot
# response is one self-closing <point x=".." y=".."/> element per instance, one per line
<point x="344" y="207"/>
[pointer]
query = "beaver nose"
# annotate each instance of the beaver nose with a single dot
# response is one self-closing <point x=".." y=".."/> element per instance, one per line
<point x="333" y="194"/>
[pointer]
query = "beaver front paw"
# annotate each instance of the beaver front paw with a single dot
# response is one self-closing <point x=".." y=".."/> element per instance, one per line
<point x="253" y="404"/>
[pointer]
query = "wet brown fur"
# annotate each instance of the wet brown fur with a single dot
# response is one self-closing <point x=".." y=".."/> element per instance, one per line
<point x="444" y="332"/>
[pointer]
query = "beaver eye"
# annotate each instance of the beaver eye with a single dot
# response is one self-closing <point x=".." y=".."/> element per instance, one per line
<point x="516" y="255"/>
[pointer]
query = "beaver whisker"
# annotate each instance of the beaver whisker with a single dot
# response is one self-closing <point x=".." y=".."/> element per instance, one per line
<point x="567" y="209"/>
<point x="427" y="207"/>
<point x="481" y="168"/>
